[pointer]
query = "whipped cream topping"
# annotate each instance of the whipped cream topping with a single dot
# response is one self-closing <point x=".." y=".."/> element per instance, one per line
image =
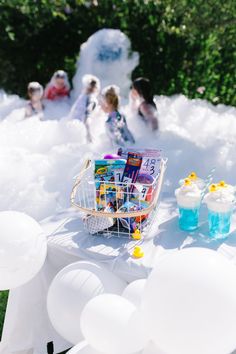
<point x="222" y="200"/>
<point x="200" y="183"/>
<point x="188" y="196"/>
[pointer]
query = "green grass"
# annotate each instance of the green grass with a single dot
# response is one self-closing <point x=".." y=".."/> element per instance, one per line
<point x="3" y="304"/>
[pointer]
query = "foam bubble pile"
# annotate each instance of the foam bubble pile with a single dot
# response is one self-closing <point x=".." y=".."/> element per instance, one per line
<point x="107" y="55"/>
<point x="40" y="157"/>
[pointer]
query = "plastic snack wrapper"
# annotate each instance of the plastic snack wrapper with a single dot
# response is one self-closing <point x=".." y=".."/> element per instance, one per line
<point x="134" y="223"/>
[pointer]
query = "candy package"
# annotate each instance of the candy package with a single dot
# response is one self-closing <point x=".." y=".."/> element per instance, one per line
<point x="133" y="223"/>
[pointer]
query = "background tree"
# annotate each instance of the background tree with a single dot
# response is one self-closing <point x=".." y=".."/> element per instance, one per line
<point x="183" y="44"/>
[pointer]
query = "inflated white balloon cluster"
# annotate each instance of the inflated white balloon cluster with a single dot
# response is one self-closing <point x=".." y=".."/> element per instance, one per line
<point x="23" y="249"/>
<point x="187" y="305"/>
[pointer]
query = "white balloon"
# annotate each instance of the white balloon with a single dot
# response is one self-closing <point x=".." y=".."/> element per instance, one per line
<point x="189" y="303"/>
<point x="83" y="348"/>
<point x="71" y="289"/>
<point x="151" y="348"/>
<point x="112" y="324"/>
<point x="23" y="249"/>
<point x="134" y="291"/>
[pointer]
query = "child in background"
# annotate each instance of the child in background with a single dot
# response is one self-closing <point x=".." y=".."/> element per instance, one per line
<point x="35" y="93"/>
<point x="86" y="102"/>
<point x="143" y="102"/>
<point x="58" y="87"/>
<point x="116" y="124"/>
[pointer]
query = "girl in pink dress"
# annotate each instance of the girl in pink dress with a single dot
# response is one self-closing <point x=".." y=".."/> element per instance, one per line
<point x="59" y="87"/>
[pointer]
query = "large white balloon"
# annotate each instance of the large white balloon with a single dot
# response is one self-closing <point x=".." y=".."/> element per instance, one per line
<point x="71" y="289"/>
<point x="23" y="249"/>
<point x="152" y="349"/>
<point x="189" y="303"/>
<point x="111" y="324"/>
<point x="134" y="291"/>
<point x="83" y="348"/>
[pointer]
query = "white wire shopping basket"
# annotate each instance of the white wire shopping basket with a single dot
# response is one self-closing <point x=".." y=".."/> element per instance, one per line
<point x="136" y="204"/>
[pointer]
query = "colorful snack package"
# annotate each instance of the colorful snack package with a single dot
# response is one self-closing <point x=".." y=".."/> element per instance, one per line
<point x="151" y="159"/>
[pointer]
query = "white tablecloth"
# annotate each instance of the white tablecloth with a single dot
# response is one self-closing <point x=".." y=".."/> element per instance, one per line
<point x="27" y="327"/>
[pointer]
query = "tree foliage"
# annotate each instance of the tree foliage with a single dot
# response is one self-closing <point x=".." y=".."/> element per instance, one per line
<point x="3" y="303"/>
<point x="183" y="44"/>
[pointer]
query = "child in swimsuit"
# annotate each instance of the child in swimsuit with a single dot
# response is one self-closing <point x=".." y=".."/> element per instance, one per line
<point x="86" y="102"/>
<point x="35" y="105"/>
<point x="143" y="101"/>
<point x="59" y="87"/>
<point x="116" y="125"/>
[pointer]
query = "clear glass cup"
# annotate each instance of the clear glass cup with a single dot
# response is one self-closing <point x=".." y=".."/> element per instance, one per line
<point x="219" y="223"/>
<point x="188" y="218"/>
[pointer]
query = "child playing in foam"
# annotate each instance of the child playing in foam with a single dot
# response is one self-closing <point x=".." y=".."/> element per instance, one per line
<point x="35" y="93"/>
<point x="142" y="101"/>
<point x="86" y="102"/>
<point x="116" y="124"/>
<point x="59" y="87"/>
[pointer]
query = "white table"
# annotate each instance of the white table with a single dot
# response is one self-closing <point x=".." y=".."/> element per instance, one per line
<point x="27" y="328"/>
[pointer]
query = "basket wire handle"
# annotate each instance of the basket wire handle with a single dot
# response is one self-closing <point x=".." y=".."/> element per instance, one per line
<point x="79" y="177"/>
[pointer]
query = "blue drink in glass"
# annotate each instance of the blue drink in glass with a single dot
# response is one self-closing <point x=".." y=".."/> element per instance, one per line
<point x="188" y="218"/>
<point x="219" y="223"/>
<point x="189" y="197"/>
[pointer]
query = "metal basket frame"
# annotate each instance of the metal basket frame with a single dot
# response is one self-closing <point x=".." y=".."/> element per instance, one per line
<point x="84" y="186"/>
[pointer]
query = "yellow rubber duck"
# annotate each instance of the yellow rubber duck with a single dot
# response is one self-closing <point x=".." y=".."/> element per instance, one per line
<point x="138" y="253"/>
<point x="193" y="176"/>
<point x="187" y="182"/>
<point x="136" y="235"/>
<point x="213" y="187"/>
<point x="222" y="184"/>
